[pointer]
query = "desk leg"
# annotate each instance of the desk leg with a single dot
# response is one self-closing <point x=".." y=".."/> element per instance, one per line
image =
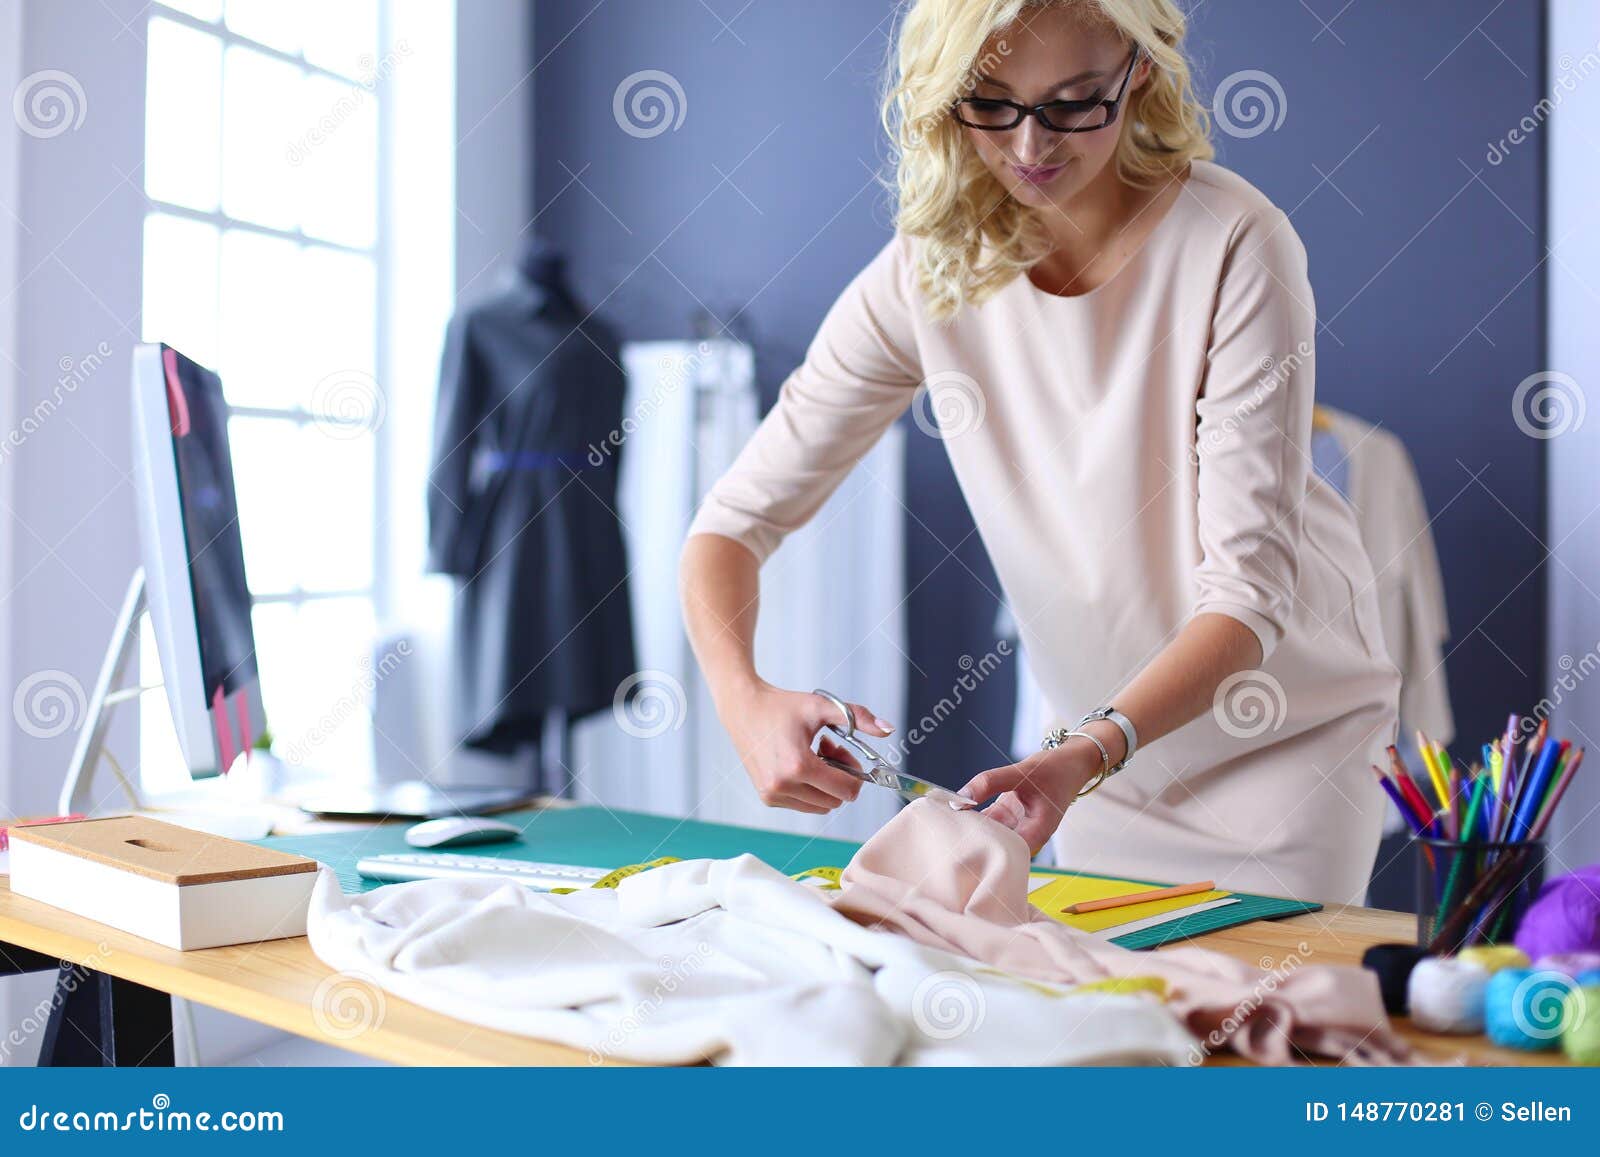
<point x="72" y="1035"/>
<point x="136" y="1024"/>
<point x="100" y="1021"/>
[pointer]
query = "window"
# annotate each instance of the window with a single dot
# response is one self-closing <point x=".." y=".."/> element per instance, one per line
<point x="264" y="252"/>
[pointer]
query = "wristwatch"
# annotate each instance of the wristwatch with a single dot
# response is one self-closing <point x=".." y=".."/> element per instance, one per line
<point x="1060" y="735"/>
<point x="1124" y="724"/>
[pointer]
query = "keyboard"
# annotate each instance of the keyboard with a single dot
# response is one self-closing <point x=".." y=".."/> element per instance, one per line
<point x="452" y="866"/>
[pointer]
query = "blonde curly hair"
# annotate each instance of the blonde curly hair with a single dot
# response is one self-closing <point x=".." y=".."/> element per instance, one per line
<point x="976" y="237"/>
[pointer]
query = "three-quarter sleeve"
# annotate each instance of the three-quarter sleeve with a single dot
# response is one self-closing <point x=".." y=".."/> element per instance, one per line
<point x="1253" y="429"/>
<point x="859" y="374"/>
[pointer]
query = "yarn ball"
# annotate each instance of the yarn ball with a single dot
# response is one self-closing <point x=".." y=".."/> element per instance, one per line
<point x="1565" y="917"/>
<point x="1493" y="957"/>
<point x="1581" y="1039"/>
<point x="1446" y="995"/>
<point x="1392" y="963"/>
<point x="1526" y="1009"/>
<point x="1585" y="979"/>
<point x="1574" y="964"/>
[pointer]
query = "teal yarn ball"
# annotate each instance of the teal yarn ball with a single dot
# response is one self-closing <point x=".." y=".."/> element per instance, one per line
<point x="1581" y="1039"/>
<point x="1524" y="1008"/>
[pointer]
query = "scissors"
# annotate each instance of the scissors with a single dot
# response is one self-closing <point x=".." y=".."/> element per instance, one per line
<point x="874" y="768"/>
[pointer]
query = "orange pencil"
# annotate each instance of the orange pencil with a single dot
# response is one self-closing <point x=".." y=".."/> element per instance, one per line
<point x="1083" y="906"/>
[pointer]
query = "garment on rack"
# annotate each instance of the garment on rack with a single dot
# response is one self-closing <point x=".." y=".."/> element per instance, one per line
<point x="1381" y="485"/>
<point x="930" y="954"/>
<point x="522" y="508"/>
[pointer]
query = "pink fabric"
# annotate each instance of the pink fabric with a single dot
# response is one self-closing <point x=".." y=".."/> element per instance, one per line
<point x="959" y="881"/>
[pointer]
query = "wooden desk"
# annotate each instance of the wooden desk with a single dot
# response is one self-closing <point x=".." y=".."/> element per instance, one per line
<point x="277" y="983"/>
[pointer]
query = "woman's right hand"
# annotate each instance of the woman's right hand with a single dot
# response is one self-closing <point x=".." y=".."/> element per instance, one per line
<point x="772" y="728"/>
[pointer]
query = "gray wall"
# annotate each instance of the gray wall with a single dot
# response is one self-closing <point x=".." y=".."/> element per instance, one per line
<point x="1424" y="258"/>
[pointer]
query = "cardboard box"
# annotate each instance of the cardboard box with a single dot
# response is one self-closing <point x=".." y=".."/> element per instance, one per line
<point x="176" y="886"/>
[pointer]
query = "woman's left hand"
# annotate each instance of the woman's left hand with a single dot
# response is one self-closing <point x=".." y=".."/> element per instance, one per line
<point x="1035" y="794"/>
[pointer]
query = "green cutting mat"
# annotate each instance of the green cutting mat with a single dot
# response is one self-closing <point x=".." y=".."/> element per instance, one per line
<point x="600" y="838"/>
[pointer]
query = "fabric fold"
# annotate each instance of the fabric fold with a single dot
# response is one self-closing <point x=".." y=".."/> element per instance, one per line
<point x="958" y="881"/>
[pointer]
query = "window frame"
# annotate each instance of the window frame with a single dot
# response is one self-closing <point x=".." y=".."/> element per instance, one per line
<point x="378" y="253"/>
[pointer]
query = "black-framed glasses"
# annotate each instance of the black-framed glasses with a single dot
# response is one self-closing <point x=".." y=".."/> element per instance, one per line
<point x="1060" y="116"/>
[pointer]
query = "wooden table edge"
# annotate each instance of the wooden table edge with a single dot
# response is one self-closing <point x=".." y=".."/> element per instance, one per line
<point x="409" y="1034"/>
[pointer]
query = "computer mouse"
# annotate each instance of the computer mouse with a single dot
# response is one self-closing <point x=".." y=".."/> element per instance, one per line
<point x="458" y="831"/>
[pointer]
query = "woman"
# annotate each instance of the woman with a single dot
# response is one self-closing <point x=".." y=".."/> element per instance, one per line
<point x="1117" y="336"/>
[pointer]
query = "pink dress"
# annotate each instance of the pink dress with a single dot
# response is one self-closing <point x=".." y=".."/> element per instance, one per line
<point x="1133" y="456"/>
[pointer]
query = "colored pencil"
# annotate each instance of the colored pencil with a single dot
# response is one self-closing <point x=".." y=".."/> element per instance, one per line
<point x="1417" y="823"/>
<point x="1532" y="793"/>
<point x="1424" y="812"/>
<point x="1556" y="792"/>
<point x="1430" y="763"/>
<point x="1083" y="906"/>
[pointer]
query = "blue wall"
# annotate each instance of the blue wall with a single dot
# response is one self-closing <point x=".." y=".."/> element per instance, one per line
<point x="1424" y="258"/>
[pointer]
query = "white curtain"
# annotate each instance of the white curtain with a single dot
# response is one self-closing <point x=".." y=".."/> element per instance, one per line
<point x="832" y="599"/>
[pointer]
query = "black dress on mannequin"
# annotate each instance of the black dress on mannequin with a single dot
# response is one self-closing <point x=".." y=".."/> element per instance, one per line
<point x="522" y="509"/>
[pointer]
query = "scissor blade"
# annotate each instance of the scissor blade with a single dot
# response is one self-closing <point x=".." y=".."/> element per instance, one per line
<point x="909" y="787"/>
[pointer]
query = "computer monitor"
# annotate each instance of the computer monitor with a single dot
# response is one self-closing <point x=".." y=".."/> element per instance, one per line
<point x="192" y="579"/>
<point x="193" y="558"/>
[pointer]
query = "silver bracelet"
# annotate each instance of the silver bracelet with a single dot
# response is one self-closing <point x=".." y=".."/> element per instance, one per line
<point x="1129" y="735"/>
<point x="1059" y="736"/>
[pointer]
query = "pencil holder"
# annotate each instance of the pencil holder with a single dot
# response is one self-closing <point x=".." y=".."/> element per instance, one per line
<point x="1475" y="892"/>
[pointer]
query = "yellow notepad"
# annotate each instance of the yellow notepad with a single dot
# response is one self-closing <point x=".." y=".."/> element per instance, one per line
<point x="1051" y="893"/>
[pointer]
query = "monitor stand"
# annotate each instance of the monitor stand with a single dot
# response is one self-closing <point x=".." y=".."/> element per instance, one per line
<point x="205" y="809"/>
<point x="108" y="692"/>
<point x="210" y="808"/>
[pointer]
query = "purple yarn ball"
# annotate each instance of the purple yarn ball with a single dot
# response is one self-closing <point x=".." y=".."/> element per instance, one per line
<point x="1565" y="917"/>
<point x="1573" y="964"/>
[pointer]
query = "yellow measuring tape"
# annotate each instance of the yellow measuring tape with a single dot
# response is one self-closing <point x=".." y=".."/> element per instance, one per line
<point x="612" y="879"/>
<point x="828" y="876"/>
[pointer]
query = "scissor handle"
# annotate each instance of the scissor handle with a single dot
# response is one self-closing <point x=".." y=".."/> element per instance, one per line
<point x="844" y="708"/>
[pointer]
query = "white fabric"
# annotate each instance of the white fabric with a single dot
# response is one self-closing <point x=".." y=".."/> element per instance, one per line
<point x="721" y="960"/>
<point x="688" y="412"/>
